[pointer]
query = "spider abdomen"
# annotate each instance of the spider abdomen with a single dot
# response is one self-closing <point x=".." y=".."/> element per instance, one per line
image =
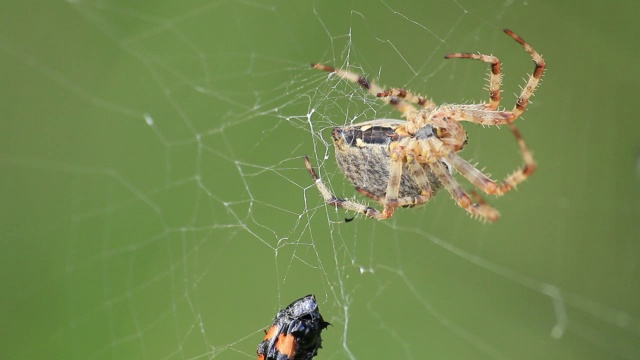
<point x="362" y="153"/>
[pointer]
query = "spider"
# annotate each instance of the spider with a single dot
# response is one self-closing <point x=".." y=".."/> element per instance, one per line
<point x="403" y="163"/>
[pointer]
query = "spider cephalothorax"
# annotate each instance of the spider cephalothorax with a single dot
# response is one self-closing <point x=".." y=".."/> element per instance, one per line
<point x="402" y="163"/>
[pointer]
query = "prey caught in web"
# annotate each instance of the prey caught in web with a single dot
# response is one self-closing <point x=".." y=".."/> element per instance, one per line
<point x="403" y="163"/>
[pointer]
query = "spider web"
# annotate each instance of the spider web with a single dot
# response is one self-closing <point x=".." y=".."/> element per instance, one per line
<point x="156" y="203"/>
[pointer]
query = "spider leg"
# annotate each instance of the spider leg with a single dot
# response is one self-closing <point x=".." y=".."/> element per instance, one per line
<point x="395" y="176"/>
<point x="341" y="203"/>
<point x="408" y="96"/>
<point x="476" y="114"/>
<point x="407" y="201"/>
<point x="479" y="200"/>
<point x="391" y="201"/>
<point x="475" y="176"/>
<point x="479" y="208"/>
<point x="370" y="86"/>
<point x="534" y="78"/>
<point x="483" y="182"/>
<point x="495" y="79"/>
<point x="419" y="176"/>
<point x="523" y="173"/>
<point x="492" y="117"/>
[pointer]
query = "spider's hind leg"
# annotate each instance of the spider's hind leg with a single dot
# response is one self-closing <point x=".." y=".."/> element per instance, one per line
<point x="333" y="200"/>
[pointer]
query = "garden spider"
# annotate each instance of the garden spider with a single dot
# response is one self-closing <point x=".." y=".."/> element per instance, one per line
<point x="402" y="163"/>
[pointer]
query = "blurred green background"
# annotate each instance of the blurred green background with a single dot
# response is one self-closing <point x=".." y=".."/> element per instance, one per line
<point x="155" y="204"/>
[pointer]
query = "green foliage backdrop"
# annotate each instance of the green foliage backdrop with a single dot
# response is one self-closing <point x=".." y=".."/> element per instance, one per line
<point x="154" y="202"/>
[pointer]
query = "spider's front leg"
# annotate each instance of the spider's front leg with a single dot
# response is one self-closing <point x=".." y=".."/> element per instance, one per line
<point x="490" y="114"/>
<point x="370" y="86"/>
<point x="495" y="79"/>
<point x="408" y="96"/>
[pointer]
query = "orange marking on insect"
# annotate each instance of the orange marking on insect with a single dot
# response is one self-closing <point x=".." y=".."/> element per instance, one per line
<point x="286" y="344"/>
<point x="271" y="332"/>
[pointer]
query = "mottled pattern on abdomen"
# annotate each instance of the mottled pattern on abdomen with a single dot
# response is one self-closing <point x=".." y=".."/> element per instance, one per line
<point x="367" y="167"/>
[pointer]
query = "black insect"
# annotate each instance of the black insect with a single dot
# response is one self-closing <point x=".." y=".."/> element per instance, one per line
<point x="295" y="333"/>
